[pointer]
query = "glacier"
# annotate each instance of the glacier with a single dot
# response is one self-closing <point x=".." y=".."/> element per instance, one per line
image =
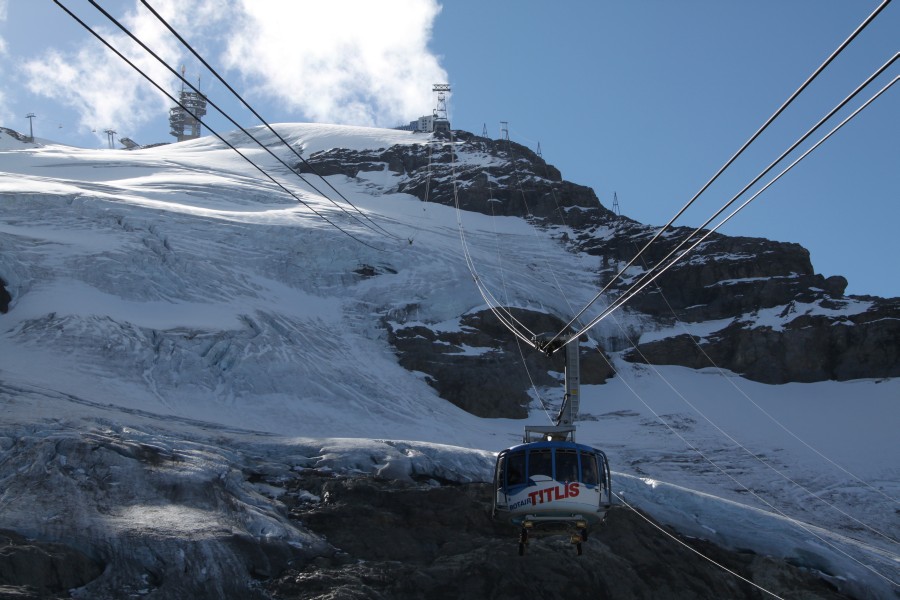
<point x="170" y="306"/>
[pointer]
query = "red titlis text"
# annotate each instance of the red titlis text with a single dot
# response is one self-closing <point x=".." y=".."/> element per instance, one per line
<point x="561" y="492"/>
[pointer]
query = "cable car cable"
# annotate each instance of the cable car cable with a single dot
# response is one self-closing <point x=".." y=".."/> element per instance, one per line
<point x="804" y="526"/>
<point x="773" y="164"/>
<point x="743" y="393"/>
<point x="534" y="231"/>
<point x="541" y="345"/>
<point x="503" y="314"/>
<point x="783" y="172"/>
<point x="692" y="549"/>
<point x="752" y="454"/>
<point x="505" y="317"/>
<point x="260" y="169"/>
<point x="225" y="114"/>
<point x="776" y="421"/>
<point x="427" y="185"/>
<point x="257" y="115"/>
<point x="641" y="284"/>
<point x="534" y="388"/>
<point x="701" y="413"/>
<point x="752" y="138"/>
<point x="645" y="280"/>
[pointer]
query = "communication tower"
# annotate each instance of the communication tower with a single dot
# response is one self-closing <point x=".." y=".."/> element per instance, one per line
<point x="615" y="205"/>
<point x="504" y="130"/>
<point x="441" y="119"/>
<point x="184" y="120"/>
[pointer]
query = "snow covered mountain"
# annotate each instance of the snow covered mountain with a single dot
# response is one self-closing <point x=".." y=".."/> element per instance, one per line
<point x="180" y="333"/>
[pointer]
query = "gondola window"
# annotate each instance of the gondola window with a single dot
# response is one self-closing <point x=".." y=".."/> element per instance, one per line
<point x="589" y="473"/>
<point x="540" y="462"/>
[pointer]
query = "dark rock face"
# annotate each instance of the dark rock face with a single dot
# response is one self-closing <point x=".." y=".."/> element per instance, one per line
<point x="724" y="278"/>
<point x="488" y="379"/>
<point x="5" y="297"/>
<point x="289" y="531"/>
<point x="399" y="541"/>
<point x="42" y="568"/>
<point x="15" y="134"/>
<point x="809" y="348"/>
<point x="732" y="276"/>
<point x="504" y="179"/>
<point x="736" y="278"/>
<point x="422" y="536"/>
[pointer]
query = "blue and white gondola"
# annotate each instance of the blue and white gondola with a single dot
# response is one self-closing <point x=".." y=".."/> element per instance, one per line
<point x="552" y="482"/>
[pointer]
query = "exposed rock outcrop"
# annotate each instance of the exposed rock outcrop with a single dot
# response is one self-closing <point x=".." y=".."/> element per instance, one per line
<point x="806" y="348"/>
<point x="819" y="333"/>
<point x="166" y="518"/>
<point x="41" y="569"/>
<point x="493" y="177"/>
<point x="404" y="540"/>
<point x="5" y="297"/>
<point x="478" y="366"/>
<point x="15" y="135"/>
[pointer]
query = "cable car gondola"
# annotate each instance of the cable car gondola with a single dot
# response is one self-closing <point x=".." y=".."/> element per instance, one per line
<point x="549" y="481"/>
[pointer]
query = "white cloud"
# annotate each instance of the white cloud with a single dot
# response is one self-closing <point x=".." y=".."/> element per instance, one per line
<point x="100" y="86"/>
<point x="343" y="61"/>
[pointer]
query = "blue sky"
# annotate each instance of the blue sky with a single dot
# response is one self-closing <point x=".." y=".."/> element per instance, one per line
<point x="645" y="99"/>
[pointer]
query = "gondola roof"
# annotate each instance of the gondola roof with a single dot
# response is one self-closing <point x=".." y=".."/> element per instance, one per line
<point x="552" y="444"/>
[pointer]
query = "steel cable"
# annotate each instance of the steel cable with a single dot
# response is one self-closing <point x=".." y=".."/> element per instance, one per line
<point x="227" y="116"/>
<point x="765" y="171"/>
<point x="258" y="116"/>
<point x="645" y="280"/>
<point x="211" y="130"/>
<point x="740" y="151"/>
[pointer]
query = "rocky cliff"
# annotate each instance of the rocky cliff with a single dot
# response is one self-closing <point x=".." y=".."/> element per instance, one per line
<point x="774" y="319"/>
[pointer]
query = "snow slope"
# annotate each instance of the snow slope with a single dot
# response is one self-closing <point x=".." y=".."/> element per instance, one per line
<point x="174" y="290"/>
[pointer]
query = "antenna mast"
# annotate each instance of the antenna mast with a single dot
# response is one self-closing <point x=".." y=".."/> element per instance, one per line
<point x="441" y="117"/>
